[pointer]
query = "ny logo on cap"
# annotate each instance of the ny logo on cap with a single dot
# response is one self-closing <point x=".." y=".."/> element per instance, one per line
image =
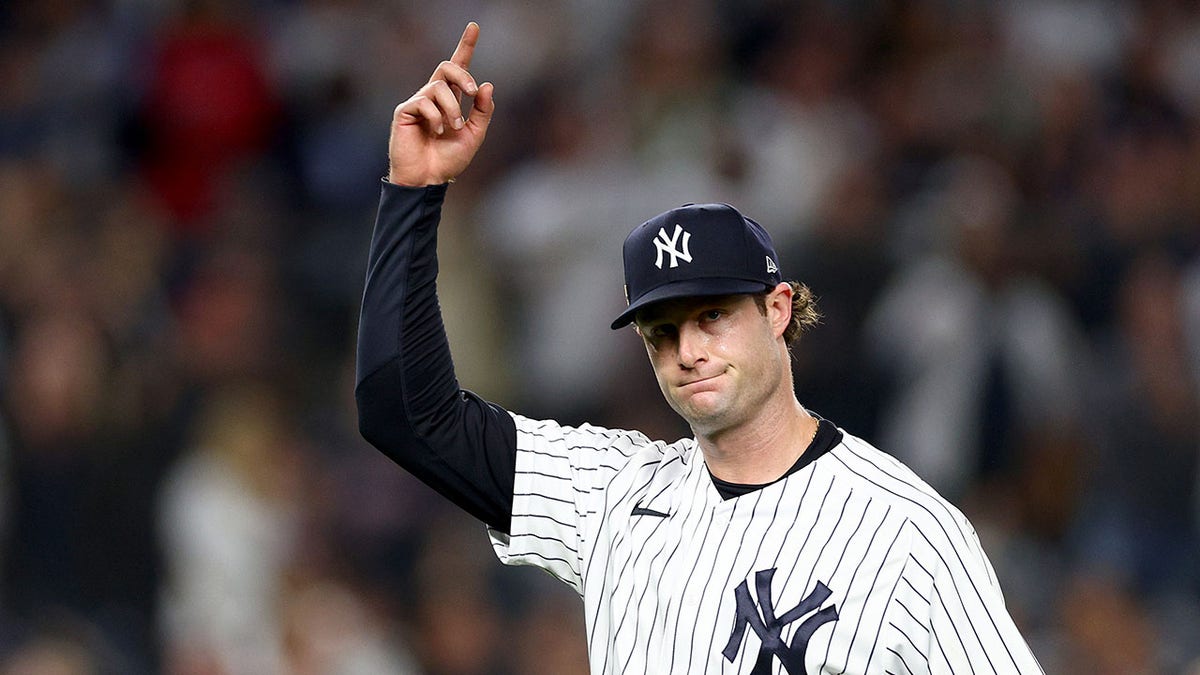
<point x="665" y="244"/>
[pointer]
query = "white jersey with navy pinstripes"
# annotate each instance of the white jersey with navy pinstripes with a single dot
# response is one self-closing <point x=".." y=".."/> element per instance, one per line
<point x="849" y="565"/>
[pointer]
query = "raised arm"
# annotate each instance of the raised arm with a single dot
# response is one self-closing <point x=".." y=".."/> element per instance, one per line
<point x="410" y="405"/>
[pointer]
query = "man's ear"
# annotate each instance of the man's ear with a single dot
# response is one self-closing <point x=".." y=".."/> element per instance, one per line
<point x="779" y="308"/>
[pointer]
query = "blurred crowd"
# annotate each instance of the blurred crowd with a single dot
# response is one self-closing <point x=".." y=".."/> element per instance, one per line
<point x="996" y="203"/>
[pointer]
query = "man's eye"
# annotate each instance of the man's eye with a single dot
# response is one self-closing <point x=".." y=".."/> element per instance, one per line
<point x="713" y="314"/>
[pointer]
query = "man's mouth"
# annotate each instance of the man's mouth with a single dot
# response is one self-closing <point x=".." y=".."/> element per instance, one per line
<point x="699" y="382"/>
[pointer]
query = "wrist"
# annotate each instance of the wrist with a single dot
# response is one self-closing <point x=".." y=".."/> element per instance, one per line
<point x="402" y="181"/>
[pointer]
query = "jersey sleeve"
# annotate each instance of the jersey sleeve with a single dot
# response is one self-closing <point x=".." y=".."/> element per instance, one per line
<point x="952" y="596"/>
<point x="560" y="487"/>
<point x="410" y="405"/>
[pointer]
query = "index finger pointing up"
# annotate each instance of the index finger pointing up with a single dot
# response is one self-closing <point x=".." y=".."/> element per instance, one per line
<point x="466" y="45"/>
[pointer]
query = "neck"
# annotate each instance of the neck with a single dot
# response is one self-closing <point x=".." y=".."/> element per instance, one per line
<point x="763" y="449"/>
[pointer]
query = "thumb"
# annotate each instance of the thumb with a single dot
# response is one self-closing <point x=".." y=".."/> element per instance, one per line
<point x="485" y="105"/>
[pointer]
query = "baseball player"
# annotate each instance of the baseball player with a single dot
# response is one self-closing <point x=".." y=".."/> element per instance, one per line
<point x="770" y="542"/>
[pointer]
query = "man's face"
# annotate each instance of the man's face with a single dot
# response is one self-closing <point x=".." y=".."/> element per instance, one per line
<point x="717" y="359"/>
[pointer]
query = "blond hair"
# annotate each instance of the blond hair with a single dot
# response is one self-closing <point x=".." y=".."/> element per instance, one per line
<point x="804" y="311"/>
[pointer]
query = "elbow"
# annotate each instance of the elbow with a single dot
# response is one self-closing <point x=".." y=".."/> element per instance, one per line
<point x="368" y="423"/>
<point x="372" y="425"/>
<point x="387" y="421"/>
<point x="384" y="421"/>
<point x="381" y="418"/>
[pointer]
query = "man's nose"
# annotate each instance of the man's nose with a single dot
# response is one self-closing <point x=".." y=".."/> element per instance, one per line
<point x="692" y="345"/>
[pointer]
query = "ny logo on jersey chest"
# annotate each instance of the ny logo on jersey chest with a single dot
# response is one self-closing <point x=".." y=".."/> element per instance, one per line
<point x="769" y="628"/>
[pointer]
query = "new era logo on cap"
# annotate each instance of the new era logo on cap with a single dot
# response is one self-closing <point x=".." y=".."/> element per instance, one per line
<point x="696" y="250"/>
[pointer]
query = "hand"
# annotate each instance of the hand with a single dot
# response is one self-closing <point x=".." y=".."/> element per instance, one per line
<point x="431" y="143"/>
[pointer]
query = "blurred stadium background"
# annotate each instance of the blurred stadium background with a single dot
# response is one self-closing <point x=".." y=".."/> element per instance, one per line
<point x="998" y="204"/>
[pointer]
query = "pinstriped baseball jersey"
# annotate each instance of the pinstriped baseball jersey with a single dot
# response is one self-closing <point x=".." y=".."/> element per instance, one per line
<point x="850" y="564"/>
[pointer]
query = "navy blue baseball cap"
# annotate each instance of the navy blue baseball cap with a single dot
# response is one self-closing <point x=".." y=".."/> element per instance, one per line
<point x="696" y="250"/>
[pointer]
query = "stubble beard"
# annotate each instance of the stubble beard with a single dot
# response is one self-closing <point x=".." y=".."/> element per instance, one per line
<point x="736" y="405"/>
<point x="705" y="421"/>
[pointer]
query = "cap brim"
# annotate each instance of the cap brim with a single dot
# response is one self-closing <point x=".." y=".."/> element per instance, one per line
<point x="690" y="288"/>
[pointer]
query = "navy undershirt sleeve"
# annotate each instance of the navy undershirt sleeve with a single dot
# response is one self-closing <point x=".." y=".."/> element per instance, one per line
<point x="410" y="405"/>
